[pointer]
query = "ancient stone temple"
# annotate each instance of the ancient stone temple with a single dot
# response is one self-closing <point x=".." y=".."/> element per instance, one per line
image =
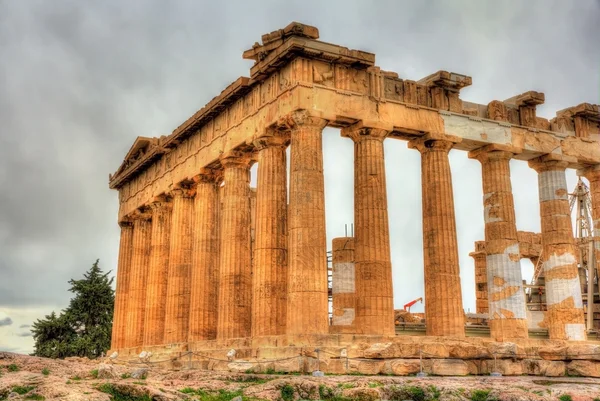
<point x="207" y="263"/>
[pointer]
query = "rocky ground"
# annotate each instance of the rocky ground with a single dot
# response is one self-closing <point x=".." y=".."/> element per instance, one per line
<point x="30" y="378"/>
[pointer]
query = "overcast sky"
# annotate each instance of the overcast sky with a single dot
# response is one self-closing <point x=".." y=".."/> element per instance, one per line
<point x="79" y="80"/>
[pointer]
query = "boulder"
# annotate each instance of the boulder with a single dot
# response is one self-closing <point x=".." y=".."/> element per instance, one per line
<point x="140" y="373"/>
<point x="584" y="368"/>
<point x="555" y="369"/>
<point x="406" y="350"/>
<point x="106" y="371"/>
<point x="404" y="367"/>
<point x="467" y="351"/>
<point x="583" y="352"/>
<point x="288" y="365"/>
<point x="307" y="390"/>
<point x="367" y="367"/>
<point x="242" y="366"/>
<point x="362" y="394"/>
<point x="553" y="352"/>
<point x="505" y="350"/>
<point x="449" y="367"/>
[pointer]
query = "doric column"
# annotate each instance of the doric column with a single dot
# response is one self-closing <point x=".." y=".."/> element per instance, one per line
<point x="307" y="248"/>
<point x="140" y="258"/>
<point x="593" y="176"/>
<point x="180" y="265"/>
<point x="158" y="272"/>
<point x="205" y="258"/>
<point x="444" y="314"/>
<point x="506" y="300"/>
<point x="235" y="283"/>
<point x="481" y="286"/>
<point x="269" y="277"/>
<point x="564" y="315"/>
<point x="343" y="282"/>
<point x="372" y="260"/>
<point x="122" y="293"/>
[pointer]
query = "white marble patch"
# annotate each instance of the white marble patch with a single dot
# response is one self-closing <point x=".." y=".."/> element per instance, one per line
<point x="346" y="319"/>
<point x="502" y="266"/>
<point x="550" y="182"/>
<point x="343" y="278"/>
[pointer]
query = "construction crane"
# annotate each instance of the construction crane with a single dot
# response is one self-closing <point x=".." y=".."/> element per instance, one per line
<point x="411" y="303"/>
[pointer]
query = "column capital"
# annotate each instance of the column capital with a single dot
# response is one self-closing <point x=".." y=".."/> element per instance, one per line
<point x="141" y="214"/>
<point x="434" y="142"/>
<point x="300" y="118"/>
<point x="367" y="130"/>
<point x="551" y="162"/>
<point x="590" y="172"/>
<point x="271" y="139"/>
<point x="125" y="222"/>
<point x="160" y="204"/>
<point x="494" y="152"/>
<point x="180" y="190"/>
<point x="209" y="175"/>
<point x="236" y="158"/>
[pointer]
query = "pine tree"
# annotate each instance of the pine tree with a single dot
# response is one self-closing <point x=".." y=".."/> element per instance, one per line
<point x="84" y="328"/>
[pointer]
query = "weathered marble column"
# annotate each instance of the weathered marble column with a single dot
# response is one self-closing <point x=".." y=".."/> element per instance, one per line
<point x="593" y="176"/>
<point x="158" y="272"/>
<point x="343" y="279"/>
<point x="140" y="258"/>
<point x="506" y="300"/>
<point x="444" y="314"/>
<point x="122" y="293"/>
<point x="269" y="278"/>
<point x="177" y="311"/>
<point x="564" y="315"/>
<point x="372" y="259"/>
<point x="481" y="290"/>
<point x="205" y="258"/>
<point x="235" y="282"/>
<point x="307" y="304"/>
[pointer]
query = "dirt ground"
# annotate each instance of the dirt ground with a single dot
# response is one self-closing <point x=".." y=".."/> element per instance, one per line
<point x="30" y="378"/>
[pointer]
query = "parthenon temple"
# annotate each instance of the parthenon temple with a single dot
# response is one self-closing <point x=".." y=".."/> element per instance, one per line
<point x="207" y="262"/>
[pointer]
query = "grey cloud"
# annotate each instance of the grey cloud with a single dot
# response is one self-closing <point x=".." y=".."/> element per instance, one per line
<point x="25" y="334"/>
<point x="81" y="80"/>
<point x="7" y="321"/>
<point x="24" y="326"/>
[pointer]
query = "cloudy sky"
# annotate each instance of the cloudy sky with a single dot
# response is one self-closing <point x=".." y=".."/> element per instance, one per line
<point x="79" y="80"/>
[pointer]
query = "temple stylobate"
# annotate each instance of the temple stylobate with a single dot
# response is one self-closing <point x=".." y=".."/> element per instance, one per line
<point x="205" y="259"/>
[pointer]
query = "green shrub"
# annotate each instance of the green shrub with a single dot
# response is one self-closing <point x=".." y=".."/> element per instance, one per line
<point x="125" y="376"/>
<point x="565" y="397"/>
<point x="94" y="373"/>
<point x="13" y="368"/>
<point x="22" y="389"/>
<point x="287" y="393"/>
<point x="416" y="393"/>
<point x="402" y="393"/>
<point x="35" y="396"/>
<point x="482" y="395"/>
<point x="118" y="395"/>
<point x="45" y="371"/>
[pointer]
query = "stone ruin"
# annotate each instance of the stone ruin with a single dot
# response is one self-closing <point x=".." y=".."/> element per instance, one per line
<point x="208" y="265"/>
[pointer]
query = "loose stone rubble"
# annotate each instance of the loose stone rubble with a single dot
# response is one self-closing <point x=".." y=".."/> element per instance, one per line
<point x="80" y="380"/>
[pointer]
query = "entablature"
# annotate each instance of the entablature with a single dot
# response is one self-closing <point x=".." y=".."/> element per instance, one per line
<point x="295" y="71"/>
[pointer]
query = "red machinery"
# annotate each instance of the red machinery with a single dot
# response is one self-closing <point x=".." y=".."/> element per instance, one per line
<point x="411" y="303"/>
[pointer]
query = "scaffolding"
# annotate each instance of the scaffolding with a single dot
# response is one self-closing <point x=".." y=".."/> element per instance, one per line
<point x="581" y="206"/>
